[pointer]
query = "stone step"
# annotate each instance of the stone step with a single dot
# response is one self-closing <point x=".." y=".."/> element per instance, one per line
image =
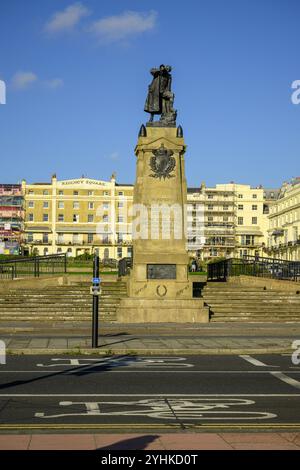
<point x="87" y="313"/>
<point x="114" y="286"/>
<point x="57" y="301"/>
<point x="264" y="305"/>
<point x="56" y="308"/>
<point x="254" y="320"/>
<point x="44" y="313"/>
<point x="240" y="311"/>
<point x="225" y="286"/>
<point x="260" y="293"/>
<point x="246" y="308"/>
<point x="266" y="293"/>
<point x="59" y="296"/>
<point x="19" y="315"/>
<point x="60" y="303"/>
<point x="254" y="315"/>
<point x="250" y="320"/>
<point x="63" y="318"/>
<point x="236" y="303"/>
<point x="46" y="300"/>
<point x="270" y="305"/>
<point x="263" y="299"/>
<point x="55" y="291"/>
<point x="248" y="289"/>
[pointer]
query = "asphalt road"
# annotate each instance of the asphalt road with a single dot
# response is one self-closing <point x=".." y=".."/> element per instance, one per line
<point x="134" y="393"/>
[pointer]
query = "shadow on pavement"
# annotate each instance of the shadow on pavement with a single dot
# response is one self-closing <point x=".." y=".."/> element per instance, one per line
<point x="136" y="443"/>
<point x="117" y="342"/>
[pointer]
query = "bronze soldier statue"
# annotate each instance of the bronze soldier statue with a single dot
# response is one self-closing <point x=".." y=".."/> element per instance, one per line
<point x="160" y="97"/>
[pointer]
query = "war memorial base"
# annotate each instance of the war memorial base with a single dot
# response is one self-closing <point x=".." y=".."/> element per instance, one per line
<point x="158" y="287"/>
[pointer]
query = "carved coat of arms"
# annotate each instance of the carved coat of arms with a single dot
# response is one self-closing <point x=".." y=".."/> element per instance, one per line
<point x="162" y="163"/>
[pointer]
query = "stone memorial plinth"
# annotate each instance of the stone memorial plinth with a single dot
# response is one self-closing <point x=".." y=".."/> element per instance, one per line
<point x="158" y="286"/>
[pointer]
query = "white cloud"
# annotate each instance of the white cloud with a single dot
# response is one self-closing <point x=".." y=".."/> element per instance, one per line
<point x="113" y="156"/>
<point x="120" y="27"/>
<point x="68" y="18"/>
<point x="23" y="80"/>
<point x="54" y="83"/>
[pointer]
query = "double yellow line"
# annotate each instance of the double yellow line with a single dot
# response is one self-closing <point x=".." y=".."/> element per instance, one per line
<point x="175" y="426"/>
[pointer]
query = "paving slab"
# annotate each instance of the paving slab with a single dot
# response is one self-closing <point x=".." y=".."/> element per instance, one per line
<point x="152" y="441"/>
<point x="65" y="442"/>
<point x="39" y="343"/>
<point x="58" y="343"/>
<point x="14" y="442"/>
<point x="203" y="441"/>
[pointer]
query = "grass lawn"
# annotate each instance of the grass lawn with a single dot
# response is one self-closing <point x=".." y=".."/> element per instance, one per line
<point x="90" y="273"/>
<point x="201" y="273"/>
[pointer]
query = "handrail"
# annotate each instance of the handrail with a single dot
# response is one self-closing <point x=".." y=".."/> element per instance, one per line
<point x="22" y="259"/>
<point x="34" y="266"/>
<point x="253" y="266"/>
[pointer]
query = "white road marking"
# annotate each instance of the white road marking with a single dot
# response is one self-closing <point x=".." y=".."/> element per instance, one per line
<point x="286" y="379"/>
<point x="254" y="361"/>
<point x="50" y="395"/>
<point x="148" y="371"/>
<point x="135" y="361"/>
<point x="165" y="409"/>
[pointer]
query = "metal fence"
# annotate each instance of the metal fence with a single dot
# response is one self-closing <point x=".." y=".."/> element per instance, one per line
<point x="254" y="266"/>
<point x="6" y="272"/>
<point x="35" y="266"/>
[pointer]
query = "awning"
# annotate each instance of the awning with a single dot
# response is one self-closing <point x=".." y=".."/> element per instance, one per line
<point x="249" y="232"/>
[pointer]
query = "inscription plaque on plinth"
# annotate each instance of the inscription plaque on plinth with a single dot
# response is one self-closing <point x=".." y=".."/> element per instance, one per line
<point x="161" y="271"/>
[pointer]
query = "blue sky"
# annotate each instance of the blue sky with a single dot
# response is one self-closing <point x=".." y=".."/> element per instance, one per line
<point x="77" y="76"/>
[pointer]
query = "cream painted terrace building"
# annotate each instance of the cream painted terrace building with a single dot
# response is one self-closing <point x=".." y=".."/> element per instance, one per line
<point x="78" y="215"/>
<point x="284" y="227"/>
<point x="235" y="219"/>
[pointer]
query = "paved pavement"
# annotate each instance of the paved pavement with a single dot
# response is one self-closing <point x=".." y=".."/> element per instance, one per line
<point x="153" y="441"/>
<point x="151" y="338"/>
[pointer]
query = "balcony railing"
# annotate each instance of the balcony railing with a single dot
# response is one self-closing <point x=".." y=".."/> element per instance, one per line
<point x="220" y="244"/>
<point x="281" y="246"/>
<point x="83" y="243"/>
<point x="38" y="242"/>
<point x="219" y="209"/>
<point x="220" y="233"/>
<point x="219" y="224"/>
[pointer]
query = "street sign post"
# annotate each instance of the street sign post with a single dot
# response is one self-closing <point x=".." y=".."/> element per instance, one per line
<point x="95" y="291"/>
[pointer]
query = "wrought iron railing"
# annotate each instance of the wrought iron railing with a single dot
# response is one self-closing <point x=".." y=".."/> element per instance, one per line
<point x="6" y="272"/>
<point x="253" y="266"/>
<point x="35" y="266"/>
